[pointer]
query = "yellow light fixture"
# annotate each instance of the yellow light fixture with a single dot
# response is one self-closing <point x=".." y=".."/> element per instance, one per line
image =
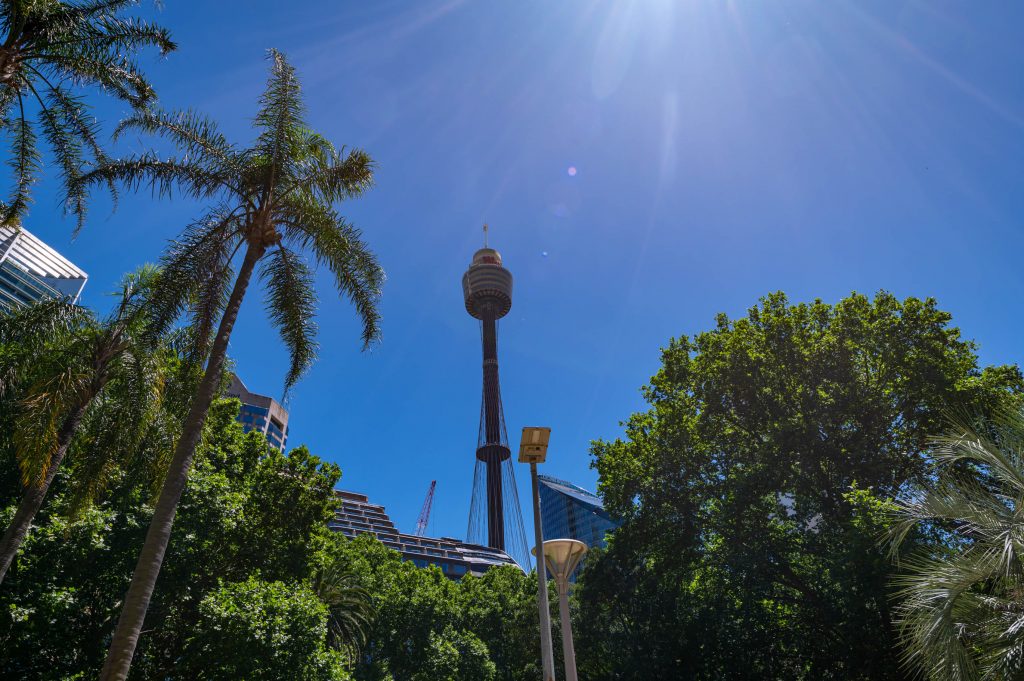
<point x="533" y="447"/>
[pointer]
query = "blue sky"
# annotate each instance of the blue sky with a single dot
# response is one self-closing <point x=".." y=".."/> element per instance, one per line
<point x="643" y="164"/>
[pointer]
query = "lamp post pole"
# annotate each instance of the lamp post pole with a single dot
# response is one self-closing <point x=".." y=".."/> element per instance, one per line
<point x="563" y="556"/>
<point x="546" y="651"/>
<point x="533" y="449"/>
<point x="568" y="650"/>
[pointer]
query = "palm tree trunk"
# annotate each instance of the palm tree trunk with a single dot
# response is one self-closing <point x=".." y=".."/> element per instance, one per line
<point x="8" y="67"/>
<point x="32" y="500"/>
<point x="136" y="601"/>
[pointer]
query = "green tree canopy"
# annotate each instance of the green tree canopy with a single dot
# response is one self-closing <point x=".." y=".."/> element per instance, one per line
<point x="455" y="656"/>
<point x="423" y="618"/>
<point x="256" y="586"/>
<point x="62" y="367"/>
<point x="58" y="608"/>
<point x="751" y="491"/>
<point x="260" y="631"/>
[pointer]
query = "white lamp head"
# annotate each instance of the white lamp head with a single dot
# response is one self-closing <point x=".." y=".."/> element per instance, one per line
<point x="562" y="556"/>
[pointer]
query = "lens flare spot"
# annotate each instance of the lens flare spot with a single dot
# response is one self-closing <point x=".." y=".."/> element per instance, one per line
<point x="572" y="171"/>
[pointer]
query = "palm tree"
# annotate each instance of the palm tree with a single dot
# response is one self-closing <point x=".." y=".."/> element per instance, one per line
<point x="49" y="47"/>
<point x="350" y="607"/>
<point x="271" y="202"/>
<point x="59" y="363"/>
<point x="961" y="605"/>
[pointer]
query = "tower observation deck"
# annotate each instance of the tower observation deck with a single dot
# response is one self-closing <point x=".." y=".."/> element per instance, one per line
<point x="495" y="518"/>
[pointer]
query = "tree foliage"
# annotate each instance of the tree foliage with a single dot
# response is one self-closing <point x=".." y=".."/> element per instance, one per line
<point x="754" y="488"/>
<point x="275" y="202"/>
<point x="960" y="609"/>
<point x="256" y="586"/>
<point x="455" y="656"/>
<point x="59" y="605"/>
<point x="275" y="199"/>
<point x="63" y="367"/>
<point x="49" y="49"/>
<point x="262" y="631"/>
<point x="477" y="628"/>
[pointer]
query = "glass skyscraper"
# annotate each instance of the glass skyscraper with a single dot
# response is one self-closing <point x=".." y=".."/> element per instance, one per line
<point x="30" y="270"/>
<point x="568" y="511"/>
<point x="260" y="412"/>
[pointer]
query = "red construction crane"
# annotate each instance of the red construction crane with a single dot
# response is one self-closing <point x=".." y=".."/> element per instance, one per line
<point x="421" y="522"/>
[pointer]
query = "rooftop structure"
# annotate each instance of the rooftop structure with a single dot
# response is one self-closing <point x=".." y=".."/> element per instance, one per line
<point x="261" y="413"/>
<point x="494" y="514"/>
<point x="571" y="512"/>
<point x="31" y="271"/>
<point x="455" y="558"/>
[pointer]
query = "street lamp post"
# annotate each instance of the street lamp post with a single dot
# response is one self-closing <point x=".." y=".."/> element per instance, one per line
<point x="533" y="449"/>
<point x="562" y="556"/>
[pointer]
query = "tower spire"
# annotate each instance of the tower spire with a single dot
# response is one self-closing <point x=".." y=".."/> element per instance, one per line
<point x="485" y="235"/>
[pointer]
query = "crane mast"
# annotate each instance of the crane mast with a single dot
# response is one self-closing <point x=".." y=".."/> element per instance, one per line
<point x="421" y="522"/>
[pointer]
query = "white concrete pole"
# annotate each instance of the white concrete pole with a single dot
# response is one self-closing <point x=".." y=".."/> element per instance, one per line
<point x="568" y="650"/>
<point x="546" y="647"/>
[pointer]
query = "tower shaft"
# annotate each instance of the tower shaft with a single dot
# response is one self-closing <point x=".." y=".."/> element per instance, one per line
<point x="492" y="450"/>
<point x="492" y="393"/>
<point x="495" y="502"/>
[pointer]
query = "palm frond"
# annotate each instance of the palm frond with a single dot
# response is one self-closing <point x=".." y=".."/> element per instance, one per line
<point x="119" y="421"/>
<point x="291" y="306"/>
<point x="194" y="134"/>
<point x="136" y="288"/>
<point x="28" y="335"/>
<point x="338" y="246"/>
<point x="338" y="179"/>
<point x="350" y="606"/>
<point x="25" y="162"/>
<point x="280" y="113"/>
<point x="113" y="34"/>
<point x="67" y="148"/>
<point x="56" y="45"/>
<point x="959" y="607"/>
<point x="45" y="406"/>
<point x="161" y="176"/>
<point x="194" y="274"/>
<point x="40" y="321"/>
<point x="69" y="112"/>
<point x="101" y="8"/>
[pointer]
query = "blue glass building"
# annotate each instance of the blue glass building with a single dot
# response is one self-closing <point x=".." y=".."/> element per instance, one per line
<point x="260" y="412"/>
<point x="571" y="512"/>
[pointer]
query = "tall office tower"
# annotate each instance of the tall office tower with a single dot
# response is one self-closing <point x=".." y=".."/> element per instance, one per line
<point x="495" y="502"/>
<point x="571" y="512"/>
<point x="30" y="270"/>
<point x="261" y="413"/>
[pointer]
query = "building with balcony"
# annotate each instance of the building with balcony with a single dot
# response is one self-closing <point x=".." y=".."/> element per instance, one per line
<point x="456" y="558"/>
<point x="31" y="271"/>
<point x="261" y="413"/>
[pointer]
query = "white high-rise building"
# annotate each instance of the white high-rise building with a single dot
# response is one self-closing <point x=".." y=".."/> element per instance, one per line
<point x="30" y="270"/>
